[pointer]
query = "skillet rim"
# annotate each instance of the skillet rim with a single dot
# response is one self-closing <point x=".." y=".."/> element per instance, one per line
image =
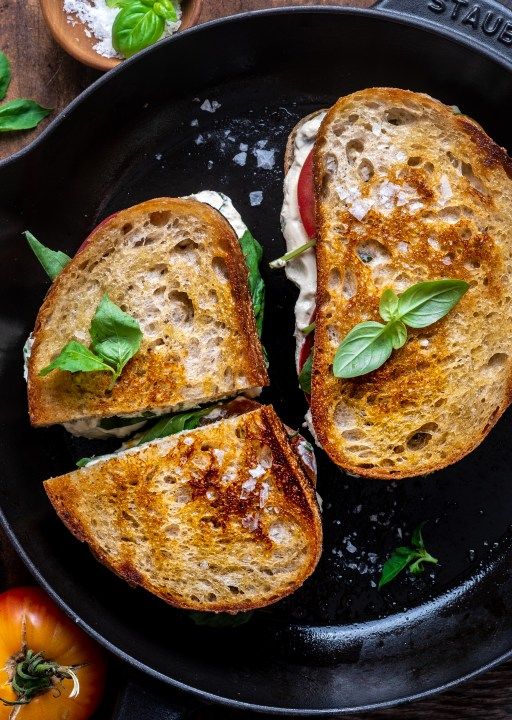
<point x="379" y="11"/>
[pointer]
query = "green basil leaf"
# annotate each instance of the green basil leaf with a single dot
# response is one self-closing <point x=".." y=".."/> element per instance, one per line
<point x="114" y="422"/>
<point x="417" y="537"/>
<point x="417" y="566"/>
<point x="75" y="357"/>
<point x="166" y="9"/>
<point x="253" y="253"/>
<point x="52" y="261"/>
<point x="83" y="462"/>
<point x="388" y="306"/>
<point x="5" y="75"/>
<point x="394" y="565"/>
<point x="364" y="349"/>
<point x="21" y="114"/>
<point x="172" y="424"/>
<point x="398" y="333"/>
<point x="118" y="3"/>
<point x="116" y="336"/>
<point x="220" y="620"/>
<point x="305" y="375"/>
<point x="427" y="302"/>
<point x="136" y="26"/>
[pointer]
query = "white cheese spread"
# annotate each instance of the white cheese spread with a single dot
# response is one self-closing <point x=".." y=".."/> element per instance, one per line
<point x="301" y="270"/>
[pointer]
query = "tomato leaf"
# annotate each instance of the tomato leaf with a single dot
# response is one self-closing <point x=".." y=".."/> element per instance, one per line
<point x="136" y="26"/>
<point x="220" y="620"/>
<point x="364" y="349"/>
<point x="253" y="253"/>
<point x="5" y="75"/>
<point x="76" y="357"/>
<point x="52" y="261"/>
<point x="116" y="336"/>
<point x="305" y="375"/>
<point x="427" y="302"/>
<point x="21" y="114"/>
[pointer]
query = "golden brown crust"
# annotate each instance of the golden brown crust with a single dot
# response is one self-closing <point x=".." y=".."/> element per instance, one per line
<point x="438" y="397"/>
<point x="179" y="518"/>
<point x="176" y="265"/>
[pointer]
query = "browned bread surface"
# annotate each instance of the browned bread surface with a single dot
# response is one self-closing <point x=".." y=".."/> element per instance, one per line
<point x="437" y="398"/>
<point x="176" y="265"/>
<point x="220" y="518"/>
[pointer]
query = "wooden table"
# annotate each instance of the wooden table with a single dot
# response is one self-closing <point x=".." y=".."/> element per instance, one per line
<point x="41" y="70"/>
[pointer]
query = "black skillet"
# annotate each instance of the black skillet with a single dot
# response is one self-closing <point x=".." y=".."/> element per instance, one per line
<point x="338" y="644"/>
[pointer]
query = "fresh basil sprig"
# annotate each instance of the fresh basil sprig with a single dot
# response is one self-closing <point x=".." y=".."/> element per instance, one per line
<point x="305" y="375"/>
<point x="140" y="23"/>
<point x="253" y="252"/>
<point x="220" y="620"/>
<point x="52" y="261"/>
<point x="369" y="344"/>
<point x="5" y="75"/>
<point x="19" y="114"/>
<point x="172" y="424"/>
<point x="403" y="557"/>
<point x="116" y="338"/>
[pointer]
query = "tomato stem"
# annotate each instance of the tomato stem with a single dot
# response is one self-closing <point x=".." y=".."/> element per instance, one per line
<point x="34" y="675"/>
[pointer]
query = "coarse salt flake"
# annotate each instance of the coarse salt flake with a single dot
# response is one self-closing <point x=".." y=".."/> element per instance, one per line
<point x="240" y="158"/>
<point x="265" y="159"/>
<point x="210" y="106"/>
<point x="257" y="472"/>
<point x="256" y="197"/>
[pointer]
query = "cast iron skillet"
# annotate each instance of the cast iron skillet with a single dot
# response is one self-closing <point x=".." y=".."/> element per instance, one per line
<point x="338" y="644"/>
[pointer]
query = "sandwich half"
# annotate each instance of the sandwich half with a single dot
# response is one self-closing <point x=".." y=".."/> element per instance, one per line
<point x="404" y="190"/>
<point x="177" y="267"/>
<point x="219" y="518"/>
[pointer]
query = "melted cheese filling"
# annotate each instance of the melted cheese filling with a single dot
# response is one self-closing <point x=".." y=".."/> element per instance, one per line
<point x="301" y="270"/>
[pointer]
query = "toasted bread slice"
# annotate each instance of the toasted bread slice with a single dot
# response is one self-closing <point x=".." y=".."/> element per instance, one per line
<point x="221" y="518"/>
<point x="407" y="190"/>
<point x="176" y="266"/>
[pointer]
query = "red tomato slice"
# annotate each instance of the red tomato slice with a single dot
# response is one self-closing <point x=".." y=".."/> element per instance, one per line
<point x="306" y="196"/>
<point x="30" y="621"/>
<point x="305" y="350"/>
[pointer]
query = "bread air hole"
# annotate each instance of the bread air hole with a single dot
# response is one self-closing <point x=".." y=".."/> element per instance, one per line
<point x="422" y="436"/>
<point x="349" y="287"/>
<point x="373" y="252"/>
<point x="219" y="266"/>
<point x="160" y="218"/>
<point x="497" y="360"/>
<point x="366" y="170"/>
<point x="354" y="148"/>
<point x="180" y="308"/>
<point x="399" y="116"/>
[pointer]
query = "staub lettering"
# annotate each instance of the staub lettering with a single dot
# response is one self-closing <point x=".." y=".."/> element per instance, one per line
<point x="476" y="16"/>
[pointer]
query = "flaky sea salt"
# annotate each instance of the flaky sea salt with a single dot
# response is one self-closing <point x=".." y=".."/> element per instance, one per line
<point x="210" y="106"/>
<point x="256" y="197"/>
<point x="240" y="158"/>
<point x="264" y="158"/>
<point x="98" y="19"/>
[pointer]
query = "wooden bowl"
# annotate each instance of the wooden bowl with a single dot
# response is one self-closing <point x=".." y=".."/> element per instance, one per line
<point x="75" y="41"/>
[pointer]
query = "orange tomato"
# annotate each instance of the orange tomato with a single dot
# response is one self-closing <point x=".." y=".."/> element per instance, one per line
<point x="30" y="621"/>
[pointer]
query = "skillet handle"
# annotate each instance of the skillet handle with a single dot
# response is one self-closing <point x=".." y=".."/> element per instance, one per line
<point x="486" y="23"/>
<point x="136" y="702"/>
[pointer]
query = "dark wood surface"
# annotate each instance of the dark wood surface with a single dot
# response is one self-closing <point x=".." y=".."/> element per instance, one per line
<point x="41" y="70"/>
